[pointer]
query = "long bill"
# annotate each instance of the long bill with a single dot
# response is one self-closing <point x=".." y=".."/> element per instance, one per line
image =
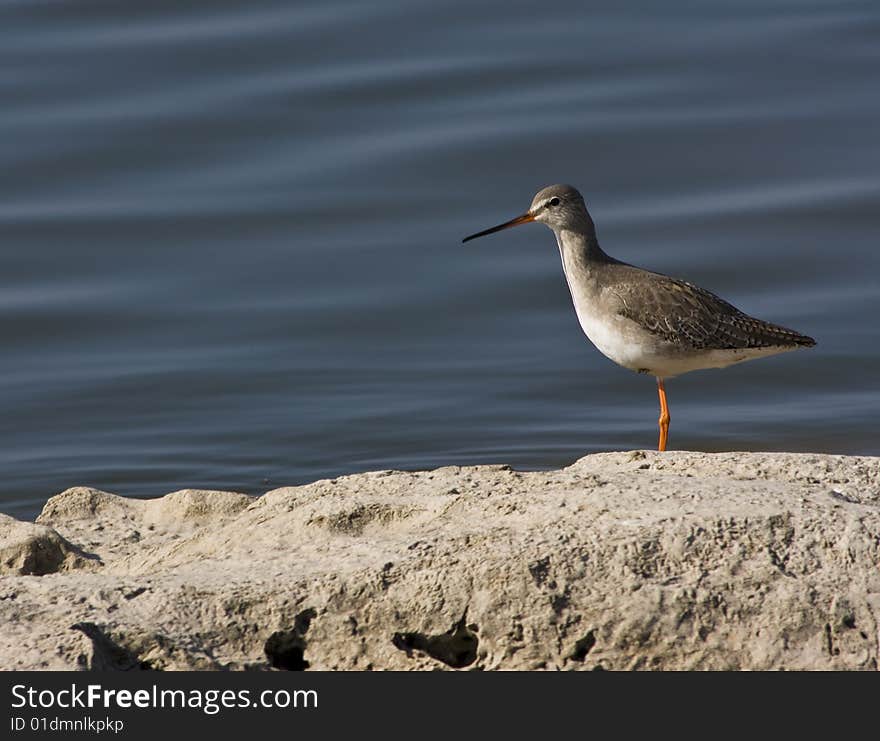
<point x="524" y="219"/>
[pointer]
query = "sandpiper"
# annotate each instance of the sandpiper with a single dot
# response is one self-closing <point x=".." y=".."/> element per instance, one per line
<point x="644" y="321"/>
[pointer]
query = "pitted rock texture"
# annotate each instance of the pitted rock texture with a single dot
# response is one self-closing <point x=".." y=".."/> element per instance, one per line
<point x="635" y="560"/>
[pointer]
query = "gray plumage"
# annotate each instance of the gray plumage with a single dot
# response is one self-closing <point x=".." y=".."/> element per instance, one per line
<point x="683" y="314"/>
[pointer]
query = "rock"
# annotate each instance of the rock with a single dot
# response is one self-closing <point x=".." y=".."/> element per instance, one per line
<point x="110" y="525"/>
<point x="29" y="549"/>
<point x="633" y="560"/>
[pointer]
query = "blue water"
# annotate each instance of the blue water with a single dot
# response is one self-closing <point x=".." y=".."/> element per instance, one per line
<point x="230" y="232"/>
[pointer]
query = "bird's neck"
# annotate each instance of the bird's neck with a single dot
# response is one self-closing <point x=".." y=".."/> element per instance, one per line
<point x="581" y="248"/>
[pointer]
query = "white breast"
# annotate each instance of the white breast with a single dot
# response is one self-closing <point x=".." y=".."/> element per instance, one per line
<point x="616" y="337"/>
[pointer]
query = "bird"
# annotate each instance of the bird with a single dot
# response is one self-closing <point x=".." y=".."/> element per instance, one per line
<point x="644" y="321"/>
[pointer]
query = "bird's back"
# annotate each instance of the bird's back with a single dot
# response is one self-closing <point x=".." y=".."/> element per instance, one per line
<point x="685" y="315"/>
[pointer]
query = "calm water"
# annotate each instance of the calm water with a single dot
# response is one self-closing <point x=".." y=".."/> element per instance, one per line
<point x="230" y="232"/>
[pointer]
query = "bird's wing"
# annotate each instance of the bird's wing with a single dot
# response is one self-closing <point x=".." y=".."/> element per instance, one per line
<point x="689" y="316"/>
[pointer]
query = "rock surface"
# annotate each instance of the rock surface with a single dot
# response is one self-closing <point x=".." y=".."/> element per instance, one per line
<point x="621" y="561"/>
<point x="26" y="548"/>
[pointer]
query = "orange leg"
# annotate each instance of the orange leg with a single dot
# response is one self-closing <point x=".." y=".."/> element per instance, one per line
<point x="664" y="415"/>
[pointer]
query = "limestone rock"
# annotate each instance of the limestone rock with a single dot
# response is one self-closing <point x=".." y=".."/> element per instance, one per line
<point x="633" y="560"/>
<point x="29" y="549"/>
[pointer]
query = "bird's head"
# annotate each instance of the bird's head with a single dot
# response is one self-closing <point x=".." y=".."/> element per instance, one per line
<point x="558" y="206"/>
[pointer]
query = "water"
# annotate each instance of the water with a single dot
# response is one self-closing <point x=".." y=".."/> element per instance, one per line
<point x="230" y="232"/>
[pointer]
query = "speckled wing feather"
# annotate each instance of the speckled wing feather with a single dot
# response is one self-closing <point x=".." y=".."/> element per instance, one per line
<point x="689" y="316"/>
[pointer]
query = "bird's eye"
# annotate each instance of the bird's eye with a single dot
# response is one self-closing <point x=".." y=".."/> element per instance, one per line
<point x="553" y="202"/>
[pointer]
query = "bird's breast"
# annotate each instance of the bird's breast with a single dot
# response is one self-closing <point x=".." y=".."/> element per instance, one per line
<point x="616" y="337"/>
